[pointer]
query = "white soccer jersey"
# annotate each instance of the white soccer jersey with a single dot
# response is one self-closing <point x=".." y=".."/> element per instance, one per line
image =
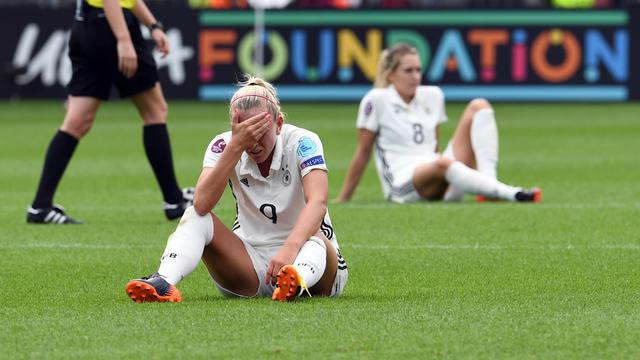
<point x="405" y="133"/>
<point x="267" y="208"/>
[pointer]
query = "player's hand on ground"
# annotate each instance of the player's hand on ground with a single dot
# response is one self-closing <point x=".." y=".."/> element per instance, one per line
<point x="127" y="58"/>
<point x="162" y="42"/>
<point x="248" y="132"/>
<point x="285" y="256"/>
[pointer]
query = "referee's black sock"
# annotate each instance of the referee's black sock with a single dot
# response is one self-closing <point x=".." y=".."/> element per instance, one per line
<point x="58" y="155"/>
<point x="158" y="149"/>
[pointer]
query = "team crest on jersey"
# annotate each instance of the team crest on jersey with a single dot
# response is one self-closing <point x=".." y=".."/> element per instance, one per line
<point x="286" y="178"/>
<point x="306" y="147"/>
<point x="368" y="109"/>
<point x="218" y="146"/>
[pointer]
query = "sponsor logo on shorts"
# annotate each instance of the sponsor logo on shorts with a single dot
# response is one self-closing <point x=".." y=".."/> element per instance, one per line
<point x="316" y="160"/>
<point x="218" y="146"/>
<point x="368" y="108"/>
<point x="306" y="147"/>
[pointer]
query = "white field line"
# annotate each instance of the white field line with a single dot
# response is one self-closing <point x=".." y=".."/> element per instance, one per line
<point x="384" y="205"/>
<point x="75" y="246"/>
<point x="454" y="247"/>
<point x="492" y="247"/>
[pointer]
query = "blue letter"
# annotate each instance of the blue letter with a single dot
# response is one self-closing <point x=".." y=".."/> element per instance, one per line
<point x="299" y="56"/>
<point x="452" y="44"/>
<point x="597" y="50"/>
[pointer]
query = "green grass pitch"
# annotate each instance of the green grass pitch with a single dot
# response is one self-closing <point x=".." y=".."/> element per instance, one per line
<point x="560" y="279"/>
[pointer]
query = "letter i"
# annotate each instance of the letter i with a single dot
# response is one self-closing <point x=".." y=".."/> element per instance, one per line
<point x="519" y="56"/>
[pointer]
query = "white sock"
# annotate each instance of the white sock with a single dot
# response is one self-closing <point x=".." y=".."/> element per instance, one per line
<point x="311" y="261"/>
<point x="484" y="141"/>
<point x="185" y="246"/>
<point x="475" y="182"/>
<point x="452" y="193"/>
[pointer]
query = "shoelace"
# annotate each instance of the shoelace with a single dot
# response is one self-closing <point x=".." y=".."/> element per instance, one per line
<point x="304" y="287"/>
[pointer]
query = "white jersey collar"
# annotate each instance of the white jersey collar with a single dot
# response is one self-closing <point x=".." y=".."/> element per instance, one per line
<point x="249" y="167"/>
<point x="396" y="99"/>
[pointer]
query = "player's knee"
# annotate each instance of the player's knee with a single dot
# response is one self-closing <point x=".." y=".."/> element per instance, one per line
<point x="197" y="225"/>
<point x="442" y="165"/>
<point x="190" y="212"/>
<point x="479" y="104"/>
<point x="318" y="240"/>
<point x="156" y="114"/>
<point x="78" y="125"/>
<point x="162" y="110"/>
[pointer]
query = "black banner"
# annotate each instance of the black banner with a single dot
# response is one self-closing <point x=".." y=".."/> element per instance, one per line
<point x="332" y="55"/>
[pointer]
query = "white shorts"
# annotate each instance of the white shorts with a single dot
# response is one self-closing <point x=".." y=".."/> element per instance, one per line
<point x="404" y="191"/>
<point x="260" y="257"/>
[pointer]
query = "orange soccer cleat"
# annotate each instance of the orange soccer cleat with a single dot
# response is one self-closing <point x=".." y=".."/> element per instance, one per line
<point x="529" y="195"/>
<point x="288" y="284"/>
<point x="153" y="288"/>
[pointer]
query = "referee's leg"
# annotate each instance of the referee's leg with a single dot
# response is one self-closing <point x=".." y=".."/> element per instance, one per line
<point x="151" y="105"/>
<point x="81" y="111"/>
<point x="153" y="110"/>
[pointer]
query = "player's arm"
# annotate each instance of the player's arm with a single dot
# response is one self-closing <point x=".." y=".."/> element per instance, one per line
<point x="359" y="162"/>
<point x="127" y="57"/>
<point x="213" y="180"/>
<point x="146" y="18"/>
<point x="315" y="186"/>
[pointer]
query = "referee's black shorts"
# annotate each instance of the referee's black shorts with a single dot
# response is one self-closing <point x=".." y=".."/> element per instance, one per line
<point x="94" y="58"/>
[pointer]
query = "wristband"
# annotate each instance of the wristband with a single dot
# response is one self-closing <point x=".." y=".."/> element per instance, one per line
<point x="156" y="25"/>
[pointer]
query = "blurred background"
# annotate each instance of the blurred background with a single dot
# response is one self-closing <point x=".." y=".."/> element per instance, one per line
<point x="362" y="4"/>
<point x="327" y="50"/>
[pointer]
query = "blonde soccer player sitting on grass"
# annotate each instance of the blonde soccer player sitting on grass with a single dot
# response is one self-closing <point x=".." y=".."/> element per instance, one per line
<point x="282" y="243"/>
<point x="402" y="118"/>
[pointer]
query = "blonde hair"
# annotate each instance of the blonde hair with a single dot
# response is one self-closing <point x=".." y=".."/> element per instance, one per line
<point x="255" y="93"/>
<point x="389" y="61"/>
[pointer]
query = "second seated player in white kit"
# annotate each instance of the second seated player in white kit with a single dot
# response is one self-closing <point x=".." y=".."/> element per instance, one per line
<point x="402" y="118"/>
<point x="282" y="243"/>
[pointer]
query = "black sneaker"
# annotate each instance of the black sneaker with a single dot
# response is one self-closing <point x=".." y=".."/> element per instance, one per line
<point x="529" y="195"/>
<point x="153" y="288"/>
<point x="175" y="211"/>
<point x="50" y="215"/>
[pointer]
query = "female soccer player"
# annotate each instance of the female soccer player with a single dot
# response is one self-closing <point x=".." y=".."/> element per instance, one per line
<point x="106" y="47"/>
<point x="282" y="243"/>
<point x="402" y="118"/>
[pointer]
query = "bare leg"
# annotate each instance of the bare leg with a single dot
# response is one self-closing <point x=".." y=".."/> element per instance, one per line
<point x="153" y="110"/>
<point x="461" y="140"/>
<point x="462" y="147"/>
<point x="152" y="106"/>
<point x="429" y="179"/>
<point x="81" y="111"/>
<point x="229" y="263"/>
